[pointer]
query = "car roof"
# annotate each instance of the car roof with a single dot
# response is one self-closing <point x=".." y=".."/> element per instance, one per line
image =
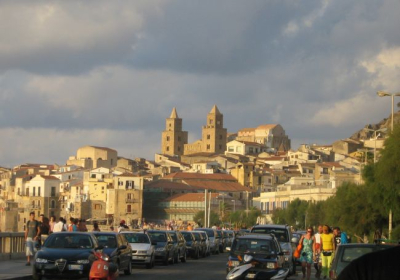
<point x="105" y="233"/>
<point x="256" y="236"/>
<point x="134" y="232"/>
<point x="271" y="226"/>
<point x="73" y="232"/>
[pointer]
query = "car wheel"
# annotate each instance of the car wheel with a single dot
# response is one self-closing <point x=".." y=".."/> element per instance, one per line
<point x="35" y="275"/>
<point x="183" y="259"/>
<point x="150" y="264"/>
<point x="128" y="270"/>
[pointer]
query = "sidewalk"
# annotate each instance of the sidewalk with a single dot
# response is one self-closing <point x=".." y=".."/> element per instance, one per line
<point x="15" y="269"/>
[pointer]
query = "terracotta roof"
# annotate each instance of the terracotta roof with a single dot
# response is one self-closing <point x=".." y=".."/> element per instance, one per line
<point x="190" y="197"/>
<point x="200" y="176"/>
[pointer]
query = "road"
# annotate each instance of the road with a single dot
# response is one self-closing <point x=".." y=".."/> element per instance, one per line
<point x="209" y="268"/>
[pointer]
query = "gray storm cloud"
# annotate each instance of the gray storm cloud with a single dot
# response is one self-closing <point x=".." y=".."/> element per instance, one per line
<point x="83" y="73"/>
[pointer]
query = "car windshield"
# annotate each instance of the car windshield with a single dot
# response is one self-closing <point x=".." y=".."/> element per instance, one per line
<point x="158" y="236"/>
<point x="210" y="232"/>
<point x="219" y="234"/>
<point x="280" y="233"/>
<point x="136" y="237"/>
<point x="69" y="241"/>
<point x="108" y="241"/>
<point x="174" y="237"/>
<point x="187" y="236"/>
<point x="261" y="246"/>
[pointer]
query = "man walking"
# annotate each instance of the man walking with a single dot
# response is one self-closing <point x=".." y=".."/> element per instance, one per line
<point x="32" y="233"/>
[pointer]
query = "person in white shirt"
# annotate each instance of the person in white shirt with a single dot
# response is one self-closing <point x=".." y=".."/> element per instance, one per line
<point x="60" y="226"/>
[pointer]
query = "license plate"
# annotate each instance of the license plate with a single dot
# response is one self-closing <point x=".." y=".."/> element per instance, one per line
<point x="75" y="267"/>
<point x="250" y="275"/>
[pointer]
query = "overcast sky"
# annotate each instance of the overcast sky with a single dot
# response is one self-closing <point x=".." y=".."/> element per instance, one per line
<point x="108" y="73"/>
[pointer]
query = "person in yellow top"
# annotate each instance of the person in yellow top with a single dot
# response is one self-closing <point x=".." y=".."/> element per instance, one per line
<point x="327" y="248"/>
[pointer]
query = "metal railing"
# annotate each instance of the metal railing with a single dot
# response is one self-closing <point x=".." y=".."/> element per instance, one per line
<point x="12" y="245"/>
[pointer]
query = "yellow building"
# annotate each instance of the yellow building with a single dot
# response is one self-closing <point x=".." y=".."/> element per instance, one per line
<point x="94" y="157"/>
<point x="173" y="138"/>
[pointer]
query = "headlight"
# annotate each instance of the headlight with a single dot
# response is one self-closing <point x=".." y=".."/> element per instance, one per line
<point x="39" y="260"/>
<point x="142" y="252"/>
<point x="83" y="261"/>
<point x="233" y="263"/>
<point x="272" y="265"/>
<point x="160" y="249"/>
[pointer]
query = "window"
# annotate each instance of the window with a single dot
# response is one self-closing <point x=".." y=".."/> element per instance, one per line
<point x="38" y="192"/>
<point x="231" y="149"/>
<point x="34" y="191"/>
<point x="167" y="149"/>
<point x="18" y="192"/>
<point x="208" y="146"/>
<point x="167" y="138"/>
<point x="179" y="139"/>
<point x="211" y="121"/>
<point x="220" y="147"/>
<point x="97" y="207"/>
<point x="129" y="196"/>
<point x="208" y="136"/>
<point x="128" y="208"/>
<point x="53" y="204"/>
<point x="93" y="176"/>
<point x="53" y="191"/>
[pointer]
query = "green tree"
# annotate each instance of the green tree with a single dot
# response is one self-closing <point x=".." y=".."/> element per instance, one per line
<point x="199" y="218"/>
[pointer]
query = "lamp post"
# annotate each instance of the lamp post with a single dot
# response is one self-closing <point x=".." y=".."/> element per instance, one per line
<point x="375" y="138"/>
<point x="382" y="94"/>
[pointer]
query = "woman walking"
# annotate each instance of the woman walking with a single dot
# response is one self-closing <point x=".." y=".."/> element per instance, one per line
<point x="307" y="252"/>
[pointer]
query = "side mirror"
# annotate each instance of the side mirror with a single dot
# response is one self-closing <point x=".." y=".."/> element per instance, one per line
<point x="228" y="249"/>
<point x="122" y="247"/>
<point x="295" y="240"/>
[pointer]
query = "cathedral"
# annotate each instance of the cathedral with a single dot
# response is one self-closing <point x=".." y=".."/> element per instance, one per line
<point x="175" y="141"/>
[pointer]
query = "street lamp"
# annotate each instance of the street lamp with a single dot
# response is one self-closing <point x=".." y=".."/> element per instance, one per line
<point x="375" y="138"/>
<point x="382" y="94"/>
<point x="234" y="205"/>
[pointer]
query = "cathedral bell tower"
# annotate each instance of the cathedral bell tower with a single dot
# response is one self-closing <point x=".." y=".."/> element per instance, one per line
<point x="214" y="134"/>
<point x="173" y="138"/>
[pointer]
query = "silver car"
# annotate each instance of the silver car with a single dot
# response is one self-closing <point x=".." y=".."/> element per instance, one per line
<point x="142" y="248"/>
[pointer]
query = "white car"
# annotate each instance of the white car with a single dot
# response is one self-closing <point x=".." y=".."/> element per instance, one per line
<point x="143" y="251"/>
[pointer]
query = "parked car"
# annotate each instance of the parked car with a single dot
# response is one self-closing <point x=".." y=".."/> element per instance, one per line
<point x="164" y="245"/>
<point x="192" y="244"/>
<point x="65" y="255"/>
<point x="179" y="246"/>
<point x="284" y="236"/>
<point x="268" y="255"/>
<point x="213" y="238"/>
<point x="143" y="250"/>
<point x="346" y="253"/>
<point x="117" y="248"/>
<point x="221" y="241"/>
<point x="228" y="236"/>
<point x="204" y="242"/>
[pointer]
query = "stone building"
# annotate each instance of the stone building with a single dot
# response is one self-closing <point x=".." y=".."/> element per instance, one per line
<point x="94" y="157"/>
<point x="173" y="138"/>
<point x="272" y="135"/>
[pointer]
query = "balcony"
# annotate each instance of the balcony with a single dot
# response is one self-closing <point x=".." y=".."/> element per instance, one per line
<point x="131" y="200"/>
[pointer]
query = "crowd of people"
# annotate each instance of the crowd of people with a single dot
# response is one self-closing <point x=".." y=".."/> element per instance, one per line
<point x="319" y="249"/>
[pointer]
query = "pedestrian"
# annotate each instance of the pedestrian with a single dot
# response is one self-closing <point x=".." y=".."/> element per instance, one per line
<point x="317" y="254"/>
<point x="74" y="225"/>
<point x="32" y="234"/>
<point x="58" y="227"/>
<point x="189" y="227"/>
<point x="96" y="227"/>
<point x="122" y="226"/>
<point x="52" y="224"/>
<point x="44" y="229"/>
<point x="327" y="248"/>
<point x="82" y="226"/>
<point x="307" y="252"/>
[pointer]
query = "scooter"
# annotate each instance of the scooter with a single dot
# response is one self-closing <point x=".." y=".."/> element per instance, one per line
<point x="246" y="270"/>
<point x="102" y="269"/>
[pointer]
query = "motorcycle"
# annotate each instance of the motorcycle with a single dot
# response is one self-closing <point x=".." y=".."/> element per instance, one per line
<point x="254" y="268"/>
<point x="102" y="269"/>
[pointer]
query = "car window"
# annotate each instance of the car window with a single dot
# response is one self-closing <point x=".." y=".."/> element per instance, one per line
<point x="69" y="241"/>
<point x="350" y="254"/>
<point x="187" y="236"/>
<point x="261" y="246"/>
<point x="158" y="236"/>
<point x="196" y="236"/>
<point x="136" y="237"/>
<point x="210" y="232"/>
<point x="280" y="234"/>
<point x="108" y="241"/>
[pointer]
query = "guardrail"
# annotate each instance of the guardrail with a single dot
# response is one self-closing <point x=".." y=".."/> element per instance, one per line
<point x="12" y="245"/>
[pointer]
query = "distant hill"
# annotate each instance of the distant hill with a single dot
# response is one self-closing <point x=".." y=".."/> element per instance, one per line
<point x="363" y="134"/>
